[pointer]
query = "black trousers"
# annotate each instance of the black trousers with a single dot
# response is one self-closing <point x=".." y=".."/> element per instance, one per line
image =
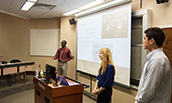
<point x="105" y="96"/>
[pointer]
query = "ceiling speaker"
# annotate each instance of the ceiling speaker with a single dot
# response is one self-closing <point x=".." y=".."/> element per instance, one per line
<point x="72" y="21"/>
<point x="161" y="1"/>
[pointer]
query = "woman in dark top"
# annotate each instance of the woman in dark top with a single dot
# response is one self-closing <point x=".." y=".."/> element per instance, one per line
<point x="105" y="79"/>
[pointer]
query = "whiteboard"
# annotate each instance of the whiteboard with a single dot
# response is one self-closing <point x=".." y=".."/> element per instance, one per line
<point x="44" y="42"/>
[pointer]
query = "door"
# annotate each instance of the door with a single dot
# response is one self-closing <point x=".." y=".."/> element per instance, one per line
<point x="167" y="45"/>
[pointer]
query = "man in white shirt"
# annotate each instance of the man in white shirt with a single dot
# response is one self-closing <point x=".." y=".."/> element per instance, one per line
<point x="155" y="82"/>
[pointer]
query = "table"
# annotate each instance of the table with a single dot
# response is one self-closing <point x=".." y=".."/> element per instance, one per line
<point x="65" y="94"/>
<point x="11" y="68"/>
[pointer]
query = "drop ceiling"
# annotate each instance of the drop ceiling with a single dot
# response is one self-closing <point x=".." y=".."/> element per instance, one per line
<point x="43" y="8"/>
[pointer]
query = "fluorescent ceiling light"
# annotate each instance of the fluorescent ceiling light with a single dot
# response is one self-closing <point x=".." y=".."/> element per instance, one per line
<point x="94" y="3"/>
<point x="28" y="4"/>
<point x="72" y="12"/>
<point x="84" y="7"/>
<point x="33" y="0"/>
<point x="104" y="6"/>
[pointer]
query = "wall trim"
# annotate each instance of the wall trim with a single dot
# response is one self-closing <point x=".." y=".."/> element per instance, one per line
<point x="14" y="15"/>
<point x="165" y="26"/>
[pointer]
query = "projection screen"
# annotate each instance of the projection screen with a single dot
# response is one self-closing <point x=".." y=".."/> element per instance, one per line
<point x="109" y="28"/>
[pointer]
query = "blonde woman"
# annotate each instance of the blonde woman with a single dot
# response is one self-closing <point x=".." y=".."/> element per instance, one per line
<point x="105" y="79"/>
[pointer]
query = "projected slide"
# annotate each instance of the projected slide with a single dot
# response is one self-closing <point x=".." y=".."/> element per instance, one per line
<point x="115" y="23"/>
<point x="108" y="28"/>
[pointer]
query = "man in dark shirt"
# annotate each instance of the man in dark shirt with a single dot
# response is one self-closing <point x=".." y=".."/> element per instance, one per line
<point x="63" y="55"/>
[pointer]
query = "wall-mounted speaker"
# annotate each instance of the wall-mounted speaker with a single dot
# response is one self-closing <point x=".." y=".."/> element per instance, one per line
<point x="72" y="21"/>
<point x="161" y="1"/>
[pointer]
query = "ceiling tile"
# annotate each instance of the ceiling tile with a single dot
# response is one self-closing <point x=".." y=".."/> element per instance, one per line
<point x="62" y="6"/>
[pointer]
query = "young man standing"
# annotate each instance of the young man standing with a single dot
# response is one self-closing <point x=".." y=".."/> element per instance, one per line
<point x="155" y="82"/>
<point x="63" y="55"/>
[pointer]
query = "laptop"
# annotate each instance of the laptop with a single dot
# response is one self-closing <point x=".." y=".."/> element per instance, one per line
<point x="62" y="80"/>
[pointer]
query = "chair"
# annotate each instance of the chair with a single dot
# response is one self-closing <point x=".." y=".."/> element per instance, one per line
<point x="4" y="62"/>
<point x="15" y="60"/>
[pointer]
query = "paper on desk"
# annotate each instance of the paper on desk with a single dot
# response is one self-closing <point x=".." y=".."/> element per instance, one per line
<point x="7" y="64"/>
<point x="72" y="83"/>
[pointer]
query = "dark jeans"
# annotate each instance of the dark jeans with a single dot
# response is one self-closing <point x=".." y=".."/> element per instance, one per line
<point x="105" y="96"/>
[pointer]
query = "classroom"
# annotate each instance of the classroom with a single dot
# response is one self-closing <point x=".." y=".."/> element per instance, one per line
<point x="15" y="42"/>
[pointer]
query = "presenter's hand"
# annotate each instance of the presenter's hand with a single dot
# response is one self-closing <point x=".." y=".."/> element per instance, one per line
<point x="135" y="101"/>
<point x="52" y="58"/>
<point x="95" y="92"/>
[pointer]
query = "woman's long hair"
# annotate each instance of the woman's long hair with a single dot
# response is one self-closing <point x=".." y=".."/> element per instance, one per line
<point x="107" y="59"/>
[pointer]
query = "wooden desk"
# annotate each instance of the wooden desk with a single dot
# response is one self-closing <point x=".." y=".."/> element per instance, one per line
<point x="65" y="94"/>
<point x="17" y="67"/>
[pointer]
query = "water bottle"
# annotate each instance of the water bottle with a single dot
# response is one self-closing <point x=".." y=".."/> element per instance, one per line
<point x="36" y="73"/>
<point x="41" y="74"/>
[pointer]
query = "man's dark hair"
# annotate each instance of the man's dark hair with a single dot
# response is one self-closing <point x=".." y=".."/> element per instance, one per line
<point x="157" y="34"/>
<point x="64" y="41"/>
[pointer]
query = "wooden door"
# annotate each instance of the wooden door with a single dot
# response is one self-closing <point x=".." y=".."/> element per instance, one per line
<point x="167" y="45"/>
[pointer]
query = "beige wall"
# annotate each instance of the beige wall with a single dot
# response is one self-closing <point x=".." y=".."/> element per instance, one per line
<point x="161" y="13"/>
<point x="14" y="41"/>
<point x="15" y="37"/>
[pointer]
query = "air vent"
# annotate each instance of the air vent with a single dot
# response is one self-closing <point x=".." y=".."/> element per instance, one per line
<point x="44" y="6"/>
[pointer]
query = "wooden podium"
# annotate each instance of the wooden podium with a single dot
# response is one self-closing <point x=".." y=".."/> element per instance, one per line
<point x="65" y="94"/>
